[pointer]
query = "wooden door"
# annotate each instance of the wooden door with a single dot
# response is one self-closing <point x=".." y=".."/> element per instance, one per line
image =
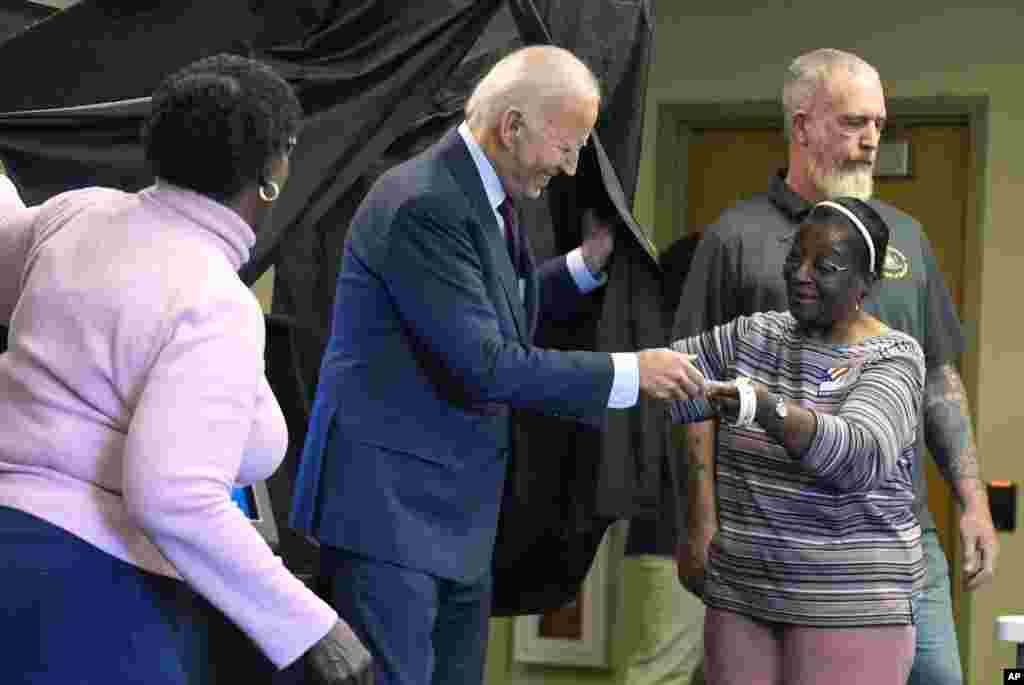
<point x="724" y="165"/>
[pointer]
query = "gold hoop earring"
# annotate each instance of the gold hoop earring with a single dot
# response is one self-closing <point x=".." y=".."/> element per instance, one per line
<point x="275" y="190"/>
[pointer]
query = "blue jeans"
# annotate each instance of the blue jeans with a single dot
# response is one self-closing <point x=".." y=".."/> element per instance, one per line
<point x="937" y="658"/>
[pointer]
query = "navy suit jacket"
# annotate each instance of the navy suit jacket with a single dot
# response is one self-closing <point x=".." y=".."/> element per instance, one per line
<point x="430" y="347"/>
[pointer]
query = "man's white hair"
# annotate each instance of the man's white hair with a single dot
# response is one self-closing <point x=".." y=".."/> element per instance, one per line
<point x="812" y="71"/>
<point x="528" y="79"/>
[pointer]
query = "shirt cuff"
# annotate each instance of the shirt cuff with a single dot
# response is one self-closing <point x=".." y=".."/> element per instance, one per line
<point x="581" y="275"/>
<point x="626" y="386"/>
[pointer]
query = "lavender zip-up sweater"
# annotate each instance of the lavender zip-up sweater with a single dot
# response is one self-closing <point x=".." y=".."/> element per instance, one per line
<point x="133" y="395"/>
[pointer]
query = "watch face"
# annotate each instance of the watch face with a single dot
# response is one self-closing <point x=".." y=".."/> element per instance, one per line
<point x="780" y="408"/>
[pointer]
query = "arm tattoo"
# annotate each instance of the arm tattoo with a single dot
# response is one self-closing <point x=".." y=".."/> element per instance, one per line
<point x="947" y="425"/>
<point x="698" y="465"/>
<point x="698" y="470"/>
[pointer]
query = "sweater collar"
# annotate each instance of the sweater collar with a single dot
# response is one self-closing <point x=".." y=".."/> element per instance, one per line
<point x="236" y="236"/>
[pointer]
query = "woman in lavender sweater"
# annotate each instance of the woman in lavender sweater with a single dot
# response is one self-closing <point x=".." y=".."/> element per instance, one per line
<point x="132" y="400"/>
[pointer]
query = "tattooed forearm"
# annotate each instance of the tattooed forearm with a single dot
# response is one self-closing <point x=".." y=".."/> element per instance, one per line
<point x="947" y="426"/>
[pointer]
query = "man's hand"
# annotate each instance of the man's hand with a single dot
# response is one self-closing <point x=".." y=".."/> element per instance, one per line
<point x="669" y="375"/>
<point x="598" y="241"/>
<point x="692" y="557"/>
<point x="979" y="546"/>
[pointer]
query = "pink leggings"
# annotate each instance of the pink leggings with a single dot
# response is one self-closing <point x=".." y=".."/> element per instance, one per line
<point x="739" y="650"/>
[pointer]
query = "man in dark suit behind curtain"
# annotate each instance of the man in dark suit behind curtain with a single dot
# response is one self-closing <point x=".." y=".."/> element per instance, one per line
<point x="436" y="304"/>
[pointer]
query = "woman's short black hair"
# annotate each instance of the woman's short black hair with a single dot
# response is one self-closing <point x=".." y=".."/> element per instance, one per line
<point x="869" y="218"/>
<point x="216" y="125"/>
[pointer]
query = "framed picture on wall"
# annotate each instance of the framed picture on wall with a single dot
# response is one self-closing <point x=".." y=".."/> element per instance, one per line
<point x="576" y="634"/>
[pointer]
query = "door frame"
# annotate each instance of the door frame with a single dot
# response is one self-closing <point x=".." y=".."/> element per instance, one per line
<point x="676" y="122"/>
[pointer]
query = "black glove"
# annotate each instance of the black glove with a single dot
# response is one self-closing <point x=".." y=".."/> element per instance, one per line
<point x="339" y="659"/>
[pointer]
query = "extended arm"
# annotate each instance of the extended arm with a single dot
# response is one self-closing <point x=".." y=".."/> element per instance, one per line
<point x="948" y="434"/>
<point x="434" y="275"/>
<point x="192" y="422"/>
<point x="857" y="448"/>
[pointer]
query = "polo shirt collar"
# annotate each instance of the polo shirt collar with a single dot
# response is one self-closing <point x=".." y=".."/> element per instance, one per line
<point x="791" y="203"/>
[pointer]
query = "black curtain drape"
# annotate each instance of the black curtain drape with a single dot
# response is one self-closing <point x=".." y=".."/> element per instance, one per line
<point x="380" y="81"/>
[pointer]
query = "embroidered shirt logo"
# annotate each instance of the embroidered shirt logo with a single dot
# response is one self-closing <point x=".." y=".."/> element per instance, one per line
<point x="896" y="264"/>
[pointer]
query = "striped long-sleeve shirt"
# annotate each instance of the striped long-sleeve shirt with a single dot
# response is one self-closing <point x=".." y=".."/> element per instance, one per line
<point x="829" y="539"/>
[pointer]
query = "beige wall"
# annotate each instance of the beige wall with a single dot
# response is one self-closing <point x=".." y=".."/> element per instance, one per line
<point x="730" y="54"/>
<point x="263" y="288"/>
<point x="502" y="669"/>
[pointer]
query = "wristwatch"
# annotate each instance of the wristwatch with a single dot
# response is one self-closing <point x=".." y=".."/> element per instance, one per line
<point x="780" y="408"/>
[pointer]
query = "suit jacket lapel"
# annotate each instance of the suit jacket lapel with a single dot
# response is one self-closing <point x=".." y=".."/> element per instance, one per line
<point x="466" y="174"/>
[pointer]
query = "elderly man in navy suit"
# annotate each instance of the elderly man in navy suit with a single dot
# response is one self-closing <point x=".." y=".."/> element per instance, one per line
<point x="437" y="300"/>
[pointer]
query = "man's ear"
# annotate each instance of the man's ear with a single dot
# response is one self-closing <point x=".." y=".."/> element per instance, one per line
<point x="799" y="127"/>
<point x="510" y="125"/>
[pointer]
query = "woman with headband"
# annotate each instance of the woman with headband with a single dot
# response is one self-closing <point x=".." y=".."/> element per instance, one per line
<point x="814" y="571"/>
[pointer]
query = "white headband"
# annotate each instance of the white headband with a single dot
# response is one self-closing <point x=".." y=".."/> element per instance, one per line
<point x="860" y="227"/>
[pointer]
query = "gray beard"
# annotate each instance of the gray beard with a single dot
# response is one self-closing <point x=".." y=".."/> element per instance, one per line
<point x="836" y="182"/>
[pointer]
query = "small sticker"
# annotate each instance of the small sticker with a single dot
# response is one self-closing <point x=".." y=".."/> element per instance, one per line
<point x="836" y="377"/>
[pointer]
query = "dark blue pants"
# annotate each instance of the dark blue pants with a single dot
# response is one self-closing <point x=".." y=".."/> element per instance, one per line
<point x="421" y="629"/>
<point x="70" y="613"/>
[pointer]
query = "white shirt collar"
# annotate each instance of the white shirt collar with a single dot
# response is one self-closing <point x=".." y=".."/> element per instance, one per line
<point x="492" y="184"/>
